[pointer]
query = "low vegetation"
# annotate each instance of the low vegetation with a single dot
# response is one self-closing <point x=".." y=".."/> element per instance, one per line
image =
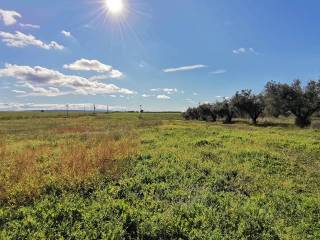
<point x="121" y="176"/>
<point x="65" y="153"/>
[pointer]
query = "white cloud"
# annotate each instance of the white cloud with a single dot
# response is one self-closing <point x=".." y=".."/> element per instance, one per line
<point x="219" y="71"/>
<point x="99" y="78"/>
<point x="244" y="50"/>
<point x="253" y="51"/>
<point x="95" y="66"/>
<point x="21" y="40"/>
<point x="195" y="94"/>
<point x="66" y="33"/>
<point x="165" y="90"/>
<point x="146" y="95"/>
<point x="41" y="91"/>
<point x="116" y="74"/>
<point x="36" y="78"/>
<point x="9" y="17"/>
<point x="19" y="91"/>
<point x="27" y="25"/>
<point x="88" y="65"/>
<point x="163" y="97"/>
<point x="239" y="51"/>
<point x="184" y="68"/>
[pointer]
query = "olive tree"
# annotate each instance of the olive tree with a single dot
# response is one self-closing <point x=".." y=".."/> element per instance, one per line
<point x="226" y="110"/>
<point x="302" y="102"/>
<point x="207" y="113"/>
<point x="191" y="114"/>
<point x="273" y="95"/>
<point x="249" y="103"/>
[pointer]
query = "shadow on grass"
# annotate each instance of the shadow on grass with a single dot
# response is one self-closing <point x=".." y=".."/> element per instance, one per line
<point x="264" y="123"/>
<point x="275" y="124"/>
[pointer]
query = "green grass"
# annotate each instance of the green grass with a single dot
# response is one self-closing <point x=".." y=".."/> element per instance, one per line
<point x="184" y="180"/>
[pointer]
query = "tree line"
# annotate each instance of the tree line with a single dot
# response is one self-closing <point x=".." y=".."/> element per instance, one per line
<point x="277" y="99"/>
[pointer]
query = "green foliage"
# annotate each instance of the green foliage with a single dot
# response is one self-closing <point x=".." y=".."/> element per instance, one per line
<point x="204" y="112"/>
<point x="302" y="102"/>
<point x="191" y="114"/>
<point x="226" y="110"/>
<point x="190" y="180"/>
<point x="207" y="113"/>
<point x="253" y="105"/>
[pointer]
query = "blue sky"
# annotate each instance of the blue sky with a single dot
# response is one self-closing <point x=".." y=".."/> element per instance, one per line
<point x="165" y="55"/>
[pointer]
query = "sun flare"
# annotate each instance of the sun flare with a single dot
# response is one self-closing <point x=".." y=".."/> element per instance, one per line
<point x="115" y="6"/>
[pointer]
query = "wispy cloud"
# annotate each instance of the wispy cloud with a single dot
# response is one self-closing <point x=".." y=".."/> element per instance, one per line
<point x="239" y="51"/>
<point x="245" y="50"/>
<point x="21" y="40"/>
<point x="27" y="25"/>
<point x="66" y="33"/>
<point x="9" y="17"/>
<point x="219" y="71"/>
<point x="184" y="68"/>
<point x="165" y="90"/>
<point x="254" y="51"/>
<point x="222" y="97"/>
<point x="19" y="91"/>
<point x="190" y="100"/>
<point x="94" y="66"/>
<point x="47" y="82"/>
<point x="146" y="95"/>
<point x="163" y="97"/>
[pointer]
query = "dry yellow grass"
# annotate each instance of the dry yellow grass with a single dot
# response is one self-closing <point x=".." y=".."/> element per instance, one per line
<point x="68" y="158"/>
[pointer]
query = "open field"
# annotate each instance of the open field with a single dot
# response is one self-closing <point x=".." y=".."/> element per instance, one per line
<point x="118" y="176"/>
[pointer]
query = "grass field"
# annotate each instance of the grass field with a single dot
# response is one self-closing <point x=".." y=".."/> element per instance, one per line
<point x="118" y="176"/>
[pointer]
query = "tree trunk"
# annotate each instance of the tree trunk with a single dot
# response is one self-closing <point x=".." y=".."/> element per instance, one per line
<point x="254" y="120"/>
<point x="228" y="119"/>
<point x="303" y="121"/>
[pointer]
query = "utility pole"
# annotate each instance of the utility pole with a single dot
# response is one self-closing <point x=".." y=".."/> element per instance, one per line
<point x="67" y="109"/>
<point x="141" y="111"/>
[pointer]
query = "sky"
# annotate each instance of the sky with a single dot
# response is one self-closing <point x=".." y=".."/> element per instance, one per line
<point x="164" y="55"/>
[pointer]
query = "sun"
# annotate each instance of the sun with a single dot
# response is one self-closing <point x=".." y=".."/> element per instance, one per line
<point x="115" y="6"/>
